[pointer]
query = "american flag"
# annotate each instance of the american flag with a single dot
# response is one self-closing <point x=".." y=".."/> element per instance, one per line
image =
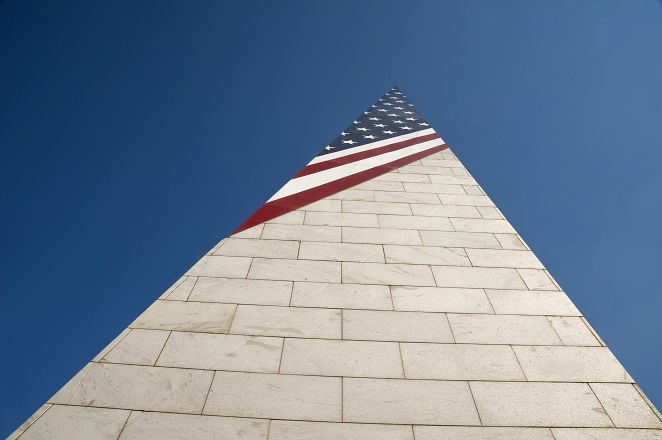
<point x="388" y="135"/>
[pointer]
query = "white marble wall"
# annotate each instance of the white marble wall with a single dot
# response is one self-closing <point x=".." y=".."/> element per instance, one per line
<point x="406" y="307"/>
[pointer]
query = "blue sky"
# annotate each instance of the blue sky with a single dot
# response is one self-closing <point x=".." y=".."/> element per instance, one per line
<point x="136" y="135"/>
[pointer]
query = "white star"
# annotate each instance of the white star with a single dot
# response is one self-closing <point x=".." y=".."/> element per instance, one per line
<point x="380" y="125"/>
<point x="387" y="103"/>
<point x="350" y="142"/>
<point x="329" y="147"/>
<point x="374" y="119"/>
<point x="408" y="113"/>
<point x="401" y="102"/>
<point x="363" y="129"/>
<point x="423" y="123"/>
<point x="398" y="93"/>
<point x="356" y="122"/>
<point x="389" y="132"/>
<point x="374" y="106"/>
<point x="382" y="110"/>
<point x="380" y="99"/>
<point x="370" y="137"/>
<point x="398" y="122"/>
<point x="366" y="113"/>
<point x="411" y="105"/>
<point x="344" y="134"/>
<point x="398" y="108"/>
<point x="393" y="97"/>
<point x="405" y="128"/>
<point x="410" y="119"/>
<point x="392" y="114"/>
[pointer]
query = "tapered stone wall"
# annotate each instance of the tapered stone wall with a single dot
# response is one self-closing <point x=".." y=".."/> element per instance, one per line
<point x="406" y="307"/>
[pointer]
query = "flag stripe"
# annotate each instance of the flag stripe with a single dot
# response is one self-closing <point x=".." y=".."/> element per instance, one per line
<point x="321" y="166"/>
<point x="389" y="134"/>
<point x="276" y="208"/>
<point x="312" y="180"/>
<point x="371" y="145"/>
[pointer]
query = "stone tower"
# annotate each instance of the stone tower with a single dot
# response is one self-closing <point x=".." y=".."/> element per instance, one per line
<point x="379" y="294"/>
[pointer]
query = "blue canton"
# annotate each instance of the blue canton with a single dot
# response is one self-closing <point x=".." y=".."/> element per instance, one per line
<point x="392" y="115"/>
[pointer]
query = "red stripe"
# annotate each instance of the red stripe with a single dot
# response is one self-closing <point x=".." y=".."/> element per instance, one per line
<point x="321" y="166"/>
<point x="271" y="210"/>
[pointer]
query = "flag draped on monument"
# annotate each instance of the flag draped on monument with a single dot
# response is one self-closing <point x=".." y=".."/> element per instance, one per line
<point x="379" y="294"/>
<point x="388" y="135"/>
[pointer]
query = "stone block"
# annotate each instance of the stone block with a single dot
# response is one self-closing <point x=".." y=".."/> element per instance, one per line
<point x="571" y="364"/>
<point x="143" y="388"/>
<point x="287" y="321"/>
<point x="163" y="426"/>
<point x="538" y="404"/>
<point x="502" y="329"/>
<point x="480" y="433"/>
<point x="342" y="219"/>
<point x="275" y="396"/>
<point x="460" y="362"/>
<point x="573" y="331"/>
<point x="376" y="207"/>
<point x="625" y="405"/>
<point x="387" y="274"/>
<point x="459" y="239"/>
<point x="482" y="225"/>
<point x="139" y="347"/>
<point x="380" y="236"/>
<point x="477" y="277"/>
<point x="396" y="326"/>
<point x="206" y="351"/>
<point x="301" y="232"/>
<point x="406" y="197"/>
<point x="295" y="430"/>
<point x="434" y="188"/>
<point x="319" y="357"/>
<point x="415" y="222"/>
<point x="425" y="402"/>
<point x="426" y="255"/>
<point x="341" y="296"/>
<point x="527" y="302"/>
<point x="237" y="247"/>
<point x="536" y="279"/>
<point x="221" y="266"/>
<point x="240" y="291"/>
<point x="439" y="299"/>
<point x="69" y="422"/>
<point x="295" y="270"/>
<point x="341" y="252"/>
<point x="444" y="211"/>
<point x="504" y="258"/>
<point x="186" y="316"/>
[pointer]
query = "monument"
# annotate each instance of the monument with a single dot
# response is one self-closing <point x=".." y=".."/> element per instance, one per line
<point x="380" y="294"/>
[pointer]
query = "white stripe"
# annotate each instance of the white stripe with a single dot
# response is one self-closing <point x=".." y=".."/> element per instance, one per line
<point x="371" y="146"/>
<point x="309" y="181"/>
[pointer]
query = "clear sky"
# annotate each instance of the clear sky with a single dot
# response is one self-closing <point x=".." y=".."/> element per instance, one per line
<point x="136" y="135"/>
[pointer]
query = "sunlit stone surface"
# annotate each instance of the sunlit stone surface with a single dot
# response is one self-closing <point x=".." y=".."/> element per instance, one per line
<point x="404" y="308"/>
